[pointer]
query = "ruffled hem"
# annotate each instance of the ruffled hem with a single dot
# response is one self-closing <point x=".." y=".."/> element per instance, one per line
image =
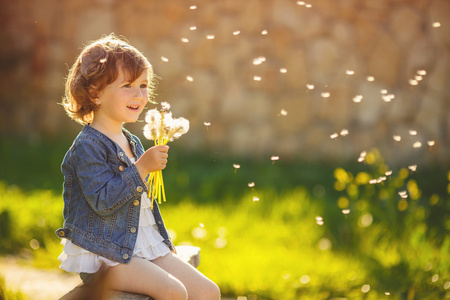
<point x="149" y="245"/>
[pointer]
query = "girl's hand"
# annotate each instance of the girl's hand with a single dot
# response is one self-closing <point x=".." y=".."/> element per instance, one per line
<point x="154" y="159"/>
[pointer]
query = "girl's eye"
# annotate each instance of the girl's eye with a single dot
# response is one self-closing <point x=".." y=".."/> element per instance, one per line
<point x="127" y="85"/>
<point x="143" y="86"/>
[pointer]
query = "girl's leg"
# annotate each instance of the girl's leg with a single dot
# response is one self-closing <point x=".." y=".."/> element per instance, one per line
<point x="198" y="286"/>
<point x="144" y="277"/>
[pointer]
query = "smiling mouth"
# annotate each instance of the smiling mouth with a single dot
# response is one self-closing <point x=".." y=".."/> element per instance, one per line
<point x="133" y="107"/>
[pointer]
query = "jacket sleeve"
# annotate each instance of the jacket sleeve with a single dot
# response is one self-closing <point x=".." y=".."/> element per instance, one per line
<point x="105" y="189"/>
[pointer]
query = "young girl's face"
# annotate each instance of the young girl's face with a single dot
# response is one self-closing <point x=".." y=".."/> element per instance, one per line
<point x="122" y="101"/>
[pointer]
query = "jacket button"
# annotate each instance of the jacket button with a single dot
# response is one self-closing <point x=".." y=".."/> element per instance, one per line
<point x="120" y="154"/>
<point x="139" y="189"/>
<point x="136" y="202"/>
<point x="133" y="229"/>
<point x="125" y="256"/>
<point x="121" y="168"/>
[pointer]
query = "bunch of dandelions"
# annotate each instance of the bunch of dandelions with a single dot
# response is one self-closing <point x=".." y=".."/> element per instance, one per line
<point x="162" y="128"/>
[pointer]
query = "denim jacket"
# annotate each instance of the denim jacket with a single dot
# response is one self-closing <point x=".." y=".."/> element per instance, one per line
<point x="102" y="196"/>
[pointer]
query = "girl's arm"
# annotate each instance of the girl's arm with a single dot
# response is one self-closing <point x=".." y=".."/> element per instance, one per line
<point x="106" y="181"/>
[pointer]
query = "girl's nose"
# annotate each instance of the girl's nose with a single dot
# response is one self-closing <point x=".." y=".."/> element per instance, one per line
<point x="139" y="94"/>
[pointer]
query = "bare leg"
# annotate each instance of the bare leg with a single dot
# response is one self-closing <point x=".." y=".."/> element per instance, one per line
<point x="144" y="277"/>
<point x="198" y="286"/>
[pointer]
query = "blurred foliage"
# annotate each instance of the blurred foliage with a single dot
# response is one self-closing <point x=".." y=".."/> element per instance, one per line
<point x="303" y="231"/>
<point x="6" y="294"/>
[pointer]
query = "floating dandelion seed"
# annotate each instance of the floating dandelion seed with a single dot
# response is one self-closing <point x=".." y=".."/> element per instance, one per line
<point x="185" y="40"/>
<point x="210" y="36"/>
<point x="387" y="293"/>
<point x="436" y="24"/>
<point x="325" y="94"/>
<point x="413" y="132"/>
<point x="357" y="98"/>
<point x="418" y="77"/>
<point x="190" y="78"/>
<point x="413" y="168"/>
<point x="350" y="72"/>
<point x="413" y="82"/>
<point x="422" y="72"/>
<point x="257" y="78"/>
<point x="308" y="5"/>
<point x="103" y="60"/>
<point x="384" y="92"/>
<point x="251" y="184"/>
<point x="344" y="132"/>
<point x="388" y="98"/>
<point x="236" y="166"/>
<point x="417" y="144"/>
<point x="283" y="70"/>
<point x="193" y="7"/>
<point x="300" y="3"/>
<point x="193" y="28"/>
<point x="397" y="138"/>
<point x="259" y="60"/>
<point x="283" y="112"/>
<point x="207" y="124"/>
<point x="403" y="194"/>
<point x="274" y="158"/>
<point x="346" y="211"/>
<point x="388" y="173"/>
<point x="264" y="32"/>
<point x="201" y="225"/>
<point x="334" y="135"/>
<point x="319" y="220"/>
<point x="372" y="181"/>
<point x="255" y="199"/>
<point x="310" y="86"/>
<point x="362" y="156"/>
<point x="370" y="78"/>
<point x="236" y="32"/>
<point x="164" y="59"/>
<point x="431" y="143"/>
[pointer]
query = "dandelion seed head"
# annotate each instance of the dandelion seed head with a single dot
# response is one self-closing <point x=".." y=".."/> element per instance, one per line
<point x="349" y="72"/>
<point x="257" y="78"/>
<point x="259" y="60"/>
<point x="283" y="70"/>
<point x="346" y="211"/>
<point x="251" y="184"/>
<point x="308" y="5"/>
<point x="207" y="124"/>
<point x="418" y="77"/>
<point x="185" y="40"/>
<point x="189" y="78"/>
<point x="362" y="156"/>
<point x="413" y="132"/>
<point x="236" y="32"/>
<point x="274" y="158"/>
<point x="236" y="166"/>
<point x="193" y="28"/>
<point x="210" y="37"/>
<point x="165" y="106"/>
<point x="334" y="135"/>
<point x="370" y="78"/>
<point x="384" y="92"/>
<point x="310" y="86"/>
<point x="300" y="3"/>
<point x="192" y="7"/>
<point x="255" y="199"/>
<point x="264" y="32"/>
<point x="413" y="168"/>
<point x="283" y="112"/>
<point x="413" y="82"/>
<point x="431" y="143"/>
<point x="325" y="94"/>
<point x="164" y="59"/>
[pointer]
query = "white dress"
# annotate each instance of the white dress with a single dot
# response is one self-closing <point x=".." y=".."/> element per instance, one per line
<point x="149" y="245"/>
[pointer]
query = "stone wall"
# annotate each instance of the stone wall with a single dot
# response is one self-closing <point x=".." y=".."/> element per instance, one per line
<point x="324" y="79"/>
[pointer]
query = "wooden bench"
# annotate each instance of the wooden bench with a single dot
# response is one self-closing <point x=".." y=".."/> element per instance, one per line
<point x="93" y="291"/>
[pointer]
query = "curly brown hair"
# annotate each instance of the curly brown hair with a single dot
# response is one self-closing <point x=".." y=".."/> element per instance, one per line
<point x="98" y="66"/>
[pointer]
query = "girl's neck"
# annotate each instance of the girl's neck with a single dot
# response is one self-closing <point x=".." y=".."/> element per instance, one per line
<point x="113" y="132"/>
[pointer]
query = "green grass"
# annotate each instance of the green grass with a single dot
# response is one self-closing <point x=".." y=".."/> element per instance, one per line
<point x="273" y="248"/>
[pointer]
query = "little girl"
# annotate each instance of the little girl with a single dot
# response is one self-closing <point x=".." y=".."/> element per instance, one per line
<point x="108" y="223"/>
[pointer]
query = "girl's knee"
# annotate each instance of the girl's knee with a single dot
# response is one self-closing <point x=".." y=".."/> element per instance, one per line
<point x="176" y="292"/>
<point x="211" y="292"/>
